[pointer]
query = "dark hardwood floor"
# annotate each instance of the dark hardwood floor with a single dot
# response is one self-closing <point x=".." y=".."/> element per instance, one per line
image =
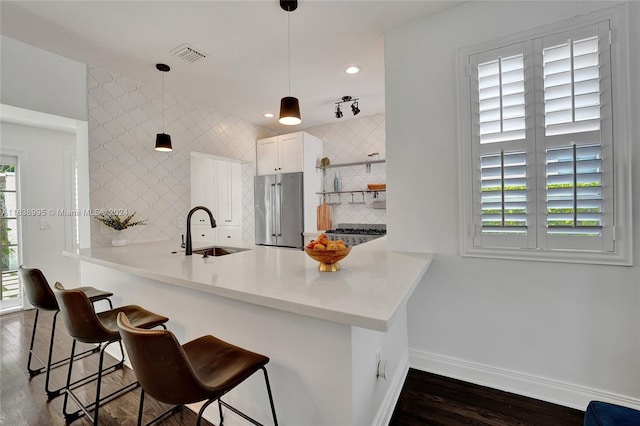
<point x="429" y="399"/>
<point x="426" y="399"/>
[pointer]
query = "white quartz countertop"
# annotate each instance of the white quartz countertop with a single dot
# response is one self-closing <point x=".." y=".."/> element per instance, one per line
<point x="372" y="283"/>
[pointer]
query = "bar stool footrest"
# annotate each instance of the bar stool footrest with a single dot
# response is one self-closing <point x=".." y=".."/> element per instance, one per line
<point x="240" y="413"/>
<point x="84" y="409"/>
<point x="166" y="414"/>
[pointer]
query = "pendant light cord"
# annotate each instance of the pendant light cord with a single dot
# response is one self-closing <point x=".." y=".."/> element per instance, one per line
<point x="163" y="102"/>
<point x="289" y="41"/>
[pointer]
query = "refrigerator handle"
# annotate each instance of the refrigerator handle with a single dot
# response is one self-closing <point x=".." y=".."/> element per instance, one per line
<point x="273" y="210"/>
<point x="280" y="209"/>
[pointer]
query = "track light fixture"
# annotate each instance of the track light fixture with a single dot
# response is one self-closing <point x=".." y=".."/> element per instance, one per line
<point x="354" y="106"/>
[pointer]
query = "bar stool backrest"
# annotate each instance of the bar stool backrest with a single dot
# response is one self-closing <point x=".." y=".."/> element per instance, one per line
<point x="160" y="364"/>
<point x="79" y="317"/>
<point x="38" y="291"/>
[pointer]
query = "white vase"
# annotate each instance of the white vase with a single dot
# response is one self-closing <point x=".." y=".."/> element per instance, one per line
<point x="119" y="239"/>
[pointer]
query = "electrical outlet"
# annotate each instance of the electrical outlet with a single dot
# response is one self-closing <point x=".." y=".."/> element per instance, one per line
<point x="382" y="369"/>
<point x="381" y="365"/>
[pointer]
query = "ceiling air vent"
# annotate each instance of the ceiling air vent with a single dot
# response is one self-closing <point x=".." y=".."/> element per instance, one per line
<point x="188" y="53"/>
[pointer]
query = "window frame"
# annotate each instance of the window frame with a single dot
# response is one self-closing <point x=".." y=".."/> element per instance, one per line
<point x="622" y="253"/>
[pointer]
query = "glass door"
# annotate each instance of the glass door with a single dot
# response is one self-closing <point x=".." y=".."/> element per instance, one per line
<point x="10" y="290"/>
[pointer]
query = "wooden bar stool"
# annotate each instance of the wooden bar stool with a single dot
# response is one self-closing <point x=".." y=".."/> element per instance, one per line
<point x="41" y="296"/>
<point x="87" y="326"/>
<point x="202" y="369"/>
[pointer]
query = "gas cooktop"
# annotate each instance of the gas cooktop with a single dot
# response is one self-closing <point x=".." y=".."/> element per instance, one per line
<point x="357" y="233"/>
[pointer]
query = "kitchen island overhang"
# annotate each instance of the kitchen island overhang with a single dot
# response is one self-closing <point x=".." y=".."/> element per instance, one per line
<point x="366" y="293"/>
<point x="322" y="331"/>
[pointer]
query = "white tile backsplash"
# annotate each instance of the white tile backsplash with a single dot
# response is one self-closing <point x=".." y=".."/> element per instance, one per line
<point x="126" y="171"/>
<point x="347" y="142"/>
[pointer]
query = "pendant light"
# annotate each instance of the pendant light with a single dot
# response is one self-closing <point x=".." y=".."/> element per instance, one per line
<point x="163" y="141"/>
<point x="289" y="105"/>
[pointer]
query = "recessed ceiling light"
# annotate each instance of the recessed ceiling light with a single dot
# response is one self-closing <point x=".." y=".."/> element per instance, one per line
<point x="352" y="70"/>
<point x="268" y="115"/>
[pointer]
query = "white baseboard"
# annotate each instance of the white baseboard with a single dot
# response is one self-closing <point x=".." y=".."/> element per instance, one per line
<point x="385" y="411"/>
<point x="554" y="391"/>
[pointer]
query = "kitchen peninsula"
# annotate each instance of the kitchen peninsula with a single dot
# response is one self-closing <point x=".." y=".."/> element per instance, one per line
<point x="324" y="332"/>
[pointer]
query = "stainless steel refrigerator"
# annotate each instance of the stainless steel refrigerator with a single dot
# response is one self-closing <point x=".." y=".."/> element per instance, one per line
<point x="279" y="210"/>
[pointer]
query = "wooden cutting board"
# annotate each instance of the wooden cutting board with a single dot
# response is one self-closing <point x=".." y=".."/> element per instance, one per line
<point x="324" y="216"/>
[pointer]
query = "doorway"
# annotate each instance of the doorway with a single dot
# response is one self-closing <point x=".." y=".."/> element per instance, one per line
<point x="10" y="291"/>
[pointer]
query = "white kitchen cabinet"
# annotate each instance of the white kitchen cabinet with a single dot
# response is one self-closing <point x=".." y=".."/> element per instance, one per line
<point x="230" y="236"/>
<point x="202" y="232"/>
<point x="216" y="183"/>
<point x="290" y="153"/>
<point x="267" y="153"/>
<point x="229" y="192"/>
<point x="287" y="153"/>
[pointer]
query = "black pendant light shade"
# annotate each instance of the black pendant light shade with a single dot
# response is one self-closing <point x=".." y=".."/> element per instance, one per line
<point x="163" y="141"/>
<point x="289" y="111"/>
<point x="289" y="105"/>
<point x="289" y="5"/>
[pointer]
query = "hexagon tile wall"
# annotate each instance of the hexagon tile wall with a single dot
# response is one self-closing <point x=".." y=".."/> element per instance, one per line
<point x="127" y="173"/>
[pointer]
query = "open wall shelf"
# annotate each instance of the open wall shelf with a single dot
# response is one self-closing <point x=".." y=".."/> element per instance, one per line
<point x="356" y="163"/>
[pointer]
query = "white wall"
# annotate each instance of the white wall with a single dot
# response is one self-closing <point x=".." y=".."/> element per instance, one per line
<point x="43" y="155"/>
<point x="38" y="80"/>
<point x="561" y="332"/>
<point x="44" y="96"/>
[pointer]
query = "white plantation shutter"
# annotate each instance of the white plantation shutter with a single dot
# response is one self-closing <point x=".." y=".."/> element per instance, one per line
<point x="501" y="99"/>
<point x="504" y="193"/>
<point x="502" y="108"/>
<point x="571" y="75"/>
<point x="577" y="139"/>
<point x="574" y="190"/>
<point x="542" y="147"/>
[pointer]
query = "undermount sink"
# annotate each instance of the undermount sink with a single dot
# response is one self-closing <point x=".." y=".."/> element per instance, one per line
<point x="217" y="251"/>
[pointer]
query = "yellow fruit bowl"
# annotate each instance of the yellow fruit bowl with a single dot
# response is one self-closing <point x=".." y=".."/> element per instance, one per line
<point x="328" y="258"/>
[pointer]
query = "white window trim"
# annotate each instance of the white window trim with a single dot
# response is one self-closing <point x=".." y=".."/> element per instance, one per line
<point x="623" y="254"/>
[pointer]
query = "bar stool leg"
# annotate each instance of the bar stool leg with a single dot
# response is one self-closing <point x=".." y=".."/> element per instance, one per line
<point x="67" y="387"/>
<point x="201" y="412"/>
<point x="31" y="371"/>
<point x="220" y="412"/>
<point x="56" y="392"/>
<point x="273" y="407"/>
<point x="141" y="407"/>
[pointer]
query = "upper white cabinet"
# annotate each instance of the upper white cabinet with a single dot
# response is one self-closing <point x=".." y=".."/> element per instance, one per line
<point x="216" y="183"/>
<point x="291" y="153"/>
<point x="287" y="153"/>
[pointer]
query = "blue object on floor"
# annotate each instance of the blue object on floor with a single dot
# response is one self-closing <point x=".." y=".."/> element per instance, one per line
<point x="605" y="414"/>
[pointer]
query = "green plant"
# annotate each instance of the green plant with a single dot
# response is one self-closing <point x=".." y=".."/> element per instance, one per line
<point x="118" y="222"/>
